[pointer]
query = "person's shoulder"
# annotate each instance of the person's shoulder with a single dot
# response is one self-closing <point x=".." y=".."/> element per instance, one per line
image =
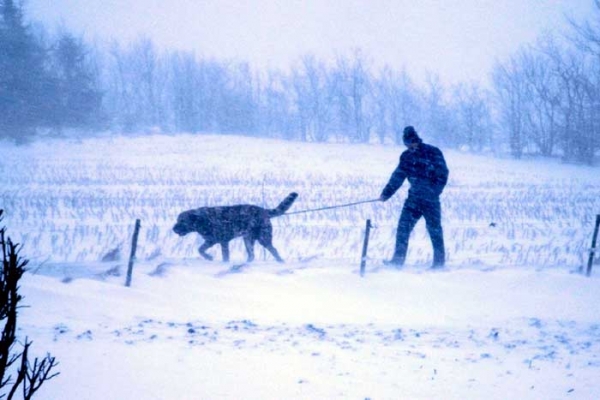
<point x="431" y="148"/>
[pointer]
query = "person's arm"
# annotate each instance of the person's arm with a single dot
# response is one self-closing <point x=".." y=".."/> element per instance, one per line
<point x="396" y="180"/>
<point x="440" y="171"/>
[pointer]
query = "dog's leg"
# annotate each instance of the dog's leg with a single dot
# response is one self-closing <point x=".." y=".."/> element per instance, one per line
<point x="266" y="243"/>
<point x="225" y="251"/>
<point x="202" y="250"/>
<point x="265" y="238"/>
<point x="249" y="242"/>
<point x="273" y="251"/>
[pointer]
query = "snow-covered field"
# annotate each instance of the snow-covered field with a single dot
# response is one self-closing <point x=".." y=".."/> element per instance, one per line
<point x="510" y="316"/>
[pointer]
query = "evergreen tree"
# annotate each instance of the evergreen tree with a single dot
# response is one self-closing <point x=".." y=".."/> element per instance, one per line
<point x="79" y="99"/>
<point x="25" y="85"/>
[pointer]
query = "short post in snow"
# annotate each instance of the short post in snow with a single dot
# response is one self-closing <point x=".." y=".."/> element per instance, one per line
<point x="593" y="248"/>
<point x="363" y="258"/>
<point x="136" y="232"/>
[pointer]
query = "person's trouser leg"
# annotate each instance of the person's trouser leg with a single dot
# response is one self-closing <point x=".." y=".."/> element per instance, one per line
<point x="432" y="212"/>
<point x="408" y="219"/>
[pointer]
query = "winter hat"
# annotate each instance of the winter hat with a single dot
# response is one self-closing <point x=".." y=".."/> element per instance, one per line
<point x="410" y="136"/>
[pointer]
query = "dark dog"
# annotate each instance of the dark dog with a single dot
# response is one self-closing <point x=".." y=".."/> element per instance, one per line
<point x="222" y="224"/>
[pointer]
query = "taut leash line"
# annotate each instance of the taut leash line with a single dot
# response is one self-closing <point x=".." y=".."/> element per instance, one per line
<point x="331" y="207"/>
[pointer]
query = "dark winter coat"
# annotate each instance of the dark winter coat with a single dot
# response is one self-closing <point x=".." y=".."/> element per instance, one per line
<point x="425" y="169"/>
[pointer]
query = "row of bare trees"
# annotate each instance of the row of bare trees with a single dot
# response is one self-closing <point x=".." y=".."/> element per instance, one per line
<point x="316" y="101"/>
<point x="550" y="101"/>
<point x="549" y="94"/>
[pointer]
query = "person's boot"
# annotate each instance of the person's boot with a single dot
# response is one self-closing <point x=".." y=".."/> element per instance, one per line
<point x="439" y="258"/>
<point x="394" y="262"/>
<point x="438" y="262"/>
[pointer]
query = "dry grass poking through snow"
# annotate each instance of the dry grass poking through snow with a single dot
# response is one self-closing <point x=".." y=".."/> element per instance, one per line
<point x="77" y="200"/>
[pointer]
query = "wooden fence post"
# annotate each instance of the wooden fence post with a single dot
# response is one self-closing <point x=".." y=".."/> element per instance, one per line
<point x="593" y="249"/>
<point x="136" y="232"/>
<point x="363" y="258"/>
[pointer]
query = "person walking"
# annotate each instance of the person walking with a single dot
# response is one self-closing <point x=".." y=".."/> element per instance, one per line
<point x="425" y="168"/>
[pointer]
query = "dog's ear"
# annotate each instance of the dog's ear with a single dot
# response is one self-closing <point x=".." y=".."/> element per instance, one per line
<point x="199" y="217"/>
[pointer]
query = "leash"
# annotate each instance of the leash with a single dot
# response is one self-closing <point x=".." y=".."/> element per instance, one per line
<point x="331" y="207"/>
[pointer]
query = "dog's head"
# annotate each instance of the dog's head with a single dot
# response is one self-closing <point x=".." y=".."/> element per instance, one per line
<point x="189" y="221"/>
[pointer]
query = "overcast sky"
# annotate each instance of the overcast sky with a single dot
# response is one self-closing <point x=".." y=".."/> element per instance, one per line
<point x="457" y="39"/>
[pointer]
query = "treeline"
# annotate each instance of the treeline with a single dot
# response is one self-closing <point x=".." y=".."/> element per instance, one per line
<point x="43" y="83"/>
<point x="543" y="100"/>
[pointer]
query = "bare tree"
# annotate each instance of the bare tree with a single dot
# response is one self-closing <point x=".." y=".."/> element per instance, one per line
<point x="353" y="96"/>
<point x="145" y="61"/>
<point x="586" y="34"/>
<point x="440" y="121"/>
<point x="238" y="112"/>
<point x="381" y="109"/>
<point x="121" y="86"/>
<point x="184" y="91"/>
<point x="579" y="103"/>
<point x="475" y="127"/>
<point x="274" y="104"/>
<point x="545" y="90"/>
<point x="511" y="94"/>
<point x="136" y="82"/>
<point x="397" y="103"/>
<point x="586" y="38"/>
<point x="198" y="92"/>
<point x="313" y="95"/>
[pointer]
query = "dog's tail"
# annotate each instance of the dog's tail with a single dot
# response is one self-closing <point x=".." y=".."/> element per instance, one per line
<point x="283" y="206"/>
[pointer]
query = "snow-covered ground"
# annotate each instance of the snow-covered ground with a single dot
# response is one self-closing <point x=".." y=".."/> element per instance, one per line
<point x="510" y="316"/>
